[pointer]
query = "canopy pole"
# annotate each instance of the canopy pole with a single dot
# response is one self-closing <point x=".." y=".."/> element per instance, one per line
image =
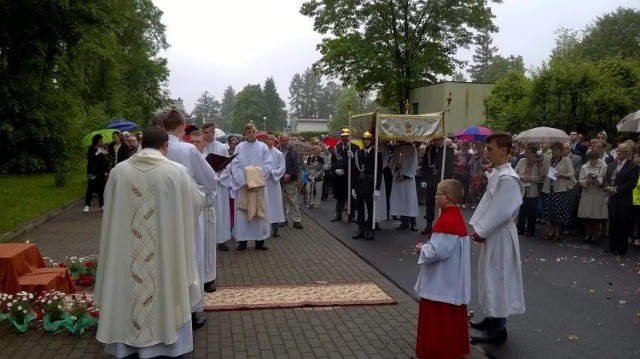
<point x="349" y="171"/>
<point x="375" y="171"/>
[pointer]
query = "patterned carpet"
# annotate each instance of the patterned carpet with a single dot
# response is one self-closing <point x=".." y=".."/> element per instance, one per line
<point x="295" y="296"/>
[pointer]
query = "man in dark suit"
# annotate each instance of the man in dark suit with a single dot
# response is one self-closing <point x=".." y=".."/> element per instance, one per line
<point x="339" y="166"/>
<point x="619" y="180"/>
<point x="432" y="175"/>
<point x="363" y="172"/>
<point x="577" y="148"/>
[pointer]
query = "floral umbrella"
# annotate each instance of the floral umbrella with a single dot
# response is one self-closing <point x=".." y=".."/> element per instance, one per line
<point x="474" y="133"/>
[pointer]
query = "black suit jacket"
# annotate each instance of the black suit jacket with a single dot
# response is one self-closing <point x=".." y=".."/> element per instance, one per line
<point x="339" y="157"/>
<point x="362" y="171"/>
<point x="580" y="150"/>
<point x="625" y="181"/>
<point x="433" y="155"/>
<point x="291" y="163"/>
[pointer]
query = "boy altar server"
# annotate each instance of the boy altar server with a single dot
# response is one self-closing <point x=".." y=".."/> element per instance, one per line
<point x="444" y="282"/>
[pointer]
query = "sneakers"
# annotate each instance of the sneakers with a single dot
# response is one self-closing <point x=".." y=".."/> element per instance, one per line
<point x="86" y="209"/>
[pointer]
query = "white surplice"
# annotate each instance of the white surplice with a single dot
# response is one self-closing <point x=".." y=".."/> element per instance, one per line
<point x="188" y="155"/>
<point x="404" y="197"/>
<point x="500" y="290"/>
<point x="223" y="213"/>
<point x="148" y="224"/>
<point x="275" y="212"/>
<point x="253" y="153"/>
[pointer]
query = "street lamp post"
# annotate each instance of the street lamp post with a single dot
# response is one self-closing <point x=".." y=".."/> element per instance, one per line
<point x="265" y="123"/>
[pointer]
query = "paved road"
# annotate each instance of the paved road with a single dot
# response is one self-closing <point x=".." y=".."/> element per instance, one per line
<point x="571" y="289"/>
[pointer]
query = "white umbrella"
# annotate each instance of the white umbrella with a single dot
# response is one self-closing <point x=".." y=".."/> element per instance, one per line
<point x="218" y="133"/>
<point x="543" y="134"/>
<point x="630" y="123"/>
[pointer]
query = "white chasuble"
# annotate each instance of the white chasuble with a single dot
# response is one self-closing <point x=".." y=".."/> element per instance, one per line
<point x="151" y="207"/>
<point x="404" y="197"/>
<point x="500" y="290"/>
<point x="250" y="154"/>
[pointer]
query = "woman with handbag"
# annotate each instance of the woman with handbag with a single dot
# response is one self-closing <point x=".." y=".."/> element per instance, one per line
<point x="558" y="181"/>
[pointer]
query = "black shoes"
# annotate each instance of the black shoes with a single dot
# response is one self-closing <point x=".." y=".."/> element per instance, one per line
<point x="210" y="287"/>
<point x="493" y="338"/>
<point x="414" y="228"/>
<point x="360" y="235"/>
<point x="483" y="325"/>
<point x="369" y="236"/>
<point x="284" y="224"/>
<point x="242" y="246"/>
<point x="336" y="219"/>
<point x="223" y="247"/>
<point x="426" y="230"/>
<point x="402" y="227"/>
<point x="197" y="322"/>
<point x="260" y="246"/>
<point x="297" y="225"/>
<point x="275" y="235"/>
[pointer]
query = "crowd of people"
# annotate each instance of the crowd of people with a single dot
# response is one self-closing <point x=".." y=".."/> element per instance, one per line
<point x="141" y="185"/>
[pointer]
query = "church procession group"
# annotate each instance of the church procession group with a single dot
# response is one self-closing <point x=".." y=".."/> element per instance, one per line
<point x="167" y="212"/>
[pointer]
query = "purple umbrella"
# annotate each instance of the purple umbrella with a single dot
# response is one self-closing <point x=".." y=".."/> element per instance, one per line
<point x="474" y="133"/>
<point x="122" y="124"/>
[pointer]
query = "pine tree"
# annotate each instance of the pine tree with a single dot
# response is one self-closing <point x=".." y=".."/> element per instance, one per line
<point x="482" y="58"/>
<point x="295" y="95"/>
<point x="276" y="114"/>
<point x="226" y="108"/>
<point x="207" y="108"/>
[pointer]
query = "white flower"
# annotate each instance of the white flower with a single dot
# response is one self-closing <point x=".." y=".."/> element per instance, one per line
<point x="60" y="307"/>
<point x="73" y="317"/>
<point x="44" y="301"/>
<point x="49" y="302"/>
<point x="30" y="296"/>
<point x="24" y="311"/>
<point x="10" y="297"/>
<point x="19" y="307"/>
<point x="9" y="305"/>
<point x="55" y="297"/>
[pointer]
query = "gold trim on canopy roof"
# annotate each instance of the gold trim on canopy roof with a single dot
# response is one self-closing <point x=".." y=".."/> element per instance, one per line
<point x="399" y="126"/>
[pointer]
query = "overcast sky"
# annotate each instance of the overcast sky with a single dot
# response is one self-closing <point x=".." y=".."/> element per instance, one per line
<point x="219" y="43"/>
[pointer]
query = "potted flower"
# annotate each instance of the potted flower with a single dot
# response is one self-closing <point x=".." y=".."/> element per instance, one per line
<point x="18" y="311"/>
<point x="50" y="305"/>
<point x="82" y="314"/>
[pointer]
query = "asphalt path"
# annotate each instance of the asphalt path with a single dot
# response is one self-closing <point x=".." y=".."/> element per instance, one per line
<point x="581" y="303"/>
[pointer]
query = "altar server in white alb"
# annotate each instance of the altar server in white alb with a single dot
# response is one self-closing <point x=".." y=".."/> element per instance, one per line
<point x="500" y="290"/>
<point x="151" y="208"/>
<point x="188" y="155"/>
<point x="250" y="169"/>
<point x="196" y="138"/>
<point x="275" y="211"/>
<point x="223" y="213"/>
<point x="404" y="197"/>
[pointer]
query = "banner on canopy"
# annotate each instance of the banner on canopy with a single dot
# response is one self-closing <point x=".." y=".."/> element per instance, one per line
<point x="399" y="127"/>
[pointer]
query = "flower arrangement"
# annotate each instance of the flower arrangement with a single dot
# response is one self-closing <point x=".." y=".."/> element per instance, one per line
<point x="81" y="269"/>
<point x="54" y="311"/>
<point x="18" y="310"/>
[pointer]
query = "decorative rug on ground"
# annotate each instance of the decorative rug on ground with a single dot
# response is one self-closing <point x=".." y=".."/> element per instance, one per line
<point x="295" y="296"/>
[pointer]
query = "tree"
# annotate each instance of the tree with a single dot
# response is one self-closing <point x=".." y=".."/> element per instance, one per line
<point x="328" y="101"/>
<point x="613" y="34"/>
<point x="250" y="106"/>
<point x="228" y="100"/>
<point x="275" y="112"/>
<point x="68" y="67"/>
<point x="394" y="46"/>
<point x="459" y="77"/>
<point x="482" y="58"/>
<point x="507" y="108"/>
<point x="295" y="95"/>
<point x="500" y="66"/>
<point x="349" y="98"/>
<point x="207" y="108"/>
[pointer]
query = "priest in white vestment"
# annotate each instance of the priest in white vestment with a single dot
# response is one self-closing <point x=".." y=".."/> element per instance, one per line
<point x="500" y="290"/>
<point x="197" y="138"/>
<point x="275" y="211"/>
<point x="223" y="212"/>
<point x="148" y="226"/>
<point x="250" y="153"/>
<point x="188" y="155"/>
<point x="404" y="197"/>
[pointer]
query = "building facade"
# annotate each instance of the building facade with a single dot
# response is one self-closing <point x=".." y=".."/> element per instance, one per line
<point x="467" y="102"/>
<point x="310" y="124"/>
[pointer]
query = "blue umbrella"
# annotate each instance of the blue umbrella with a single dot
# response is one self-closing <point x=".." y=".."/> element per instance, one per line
<point x="122" y="124"/>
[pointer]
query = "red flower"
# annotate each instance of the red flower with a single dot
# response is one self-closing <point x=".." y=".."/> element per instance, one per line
<point x="89" y="264"/>
<point x="62" y="265"/>
<point x="86" y="280"/>
<point x="39" y="315"/>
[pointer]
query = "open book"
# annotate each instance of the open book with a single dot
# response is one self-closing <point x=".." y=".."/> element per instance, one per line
<point x="217" y="162"/>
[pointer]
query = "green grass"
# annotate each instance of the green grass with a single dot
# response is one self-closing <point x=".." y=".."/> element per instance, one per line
<point x="26" y="197"/>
